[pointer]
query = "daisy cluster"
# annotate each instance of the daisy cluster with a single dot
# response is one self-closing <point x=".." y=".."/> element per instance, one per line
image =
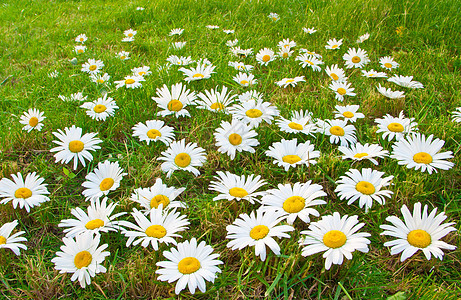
<point x="159" y="216"/>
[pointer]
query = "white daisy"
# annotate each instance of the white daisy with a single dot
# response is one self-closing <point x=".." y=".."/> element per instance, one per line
<point x="333" y="44"/>
<point x="285" y="82"/>
<point x="365" y="185"/>
<point x="456" y="115"/>
<point x="254" y="112"/>
<point x="198" y="73"/>
<point x="77" y="97"/>
<point x="336" y="73"/>
<point x="288" y="153"/>
<point x="245" y="79"/>
<point x="338" y="130"/>
<point x="274" y="17"/>
<point x="141" y="71"/>
<point x="178" y="45"/>
<point x="300" y="122"/>
<point x="241" y="53"/>
<point x="100" y="79"/>
<point x="190" y="264"/>
<point x="258" y="231"/>
<point x="176" y="31"/>
<point x="25" y="193"/>
<point x="128" y="39"/>
<point x="307" y="60"/>
<point x="54" y="74"/>
<point x="415" y="151"/>
<point x="228" y="31"/>
<point x="388" y="63"/>
<point x="235" y="136"/>
<point x="265" y="56"/>
<point x="373" y="74"/>
<point x="348" y="112"/>
<point x="294" y="201"/>
<point x="79" y="49"/>
<point x="92" y="66"/>
<point x="130" y="82"/>
<point x="129" y="33"/>
<point x="81" y="256"/>
<point x="341" y="89"/>
<point x="251" y="95"/>
<point x="100" y="109"/>
<point x="231" y="186"/>
<point x="356" y="58"/>
<point x="312" y="53"/>
<point x="396" y="127"/>
<point x="174" y="102"/>
<point x="81" y="38"/>
<point x="418" y="232"/>
<point x="123" y="55"/>
<point x="232" y="43"/>
<point x="363" y="38"/>
<point x="215" y="101"/>
<point x="180" y="156"/>
<point x="286" y="43"/>
<point x="32" y="120"/>
<point x="309" y="30"/>
<point x="212" y="26"/>
<point x="406" y="81"/>
<point x="389" y="93"/>
<point x="179" y="61"/>
<point x="359" y="152"/>
<point x="285" y="53"/>
<point x="337" y="236"/>
<point x="9" y="241"/>
<point x="104" y="178"/>
<point x="154" y="130"/>
<point x="72" y="145"/>
<point x="240" y="66"/>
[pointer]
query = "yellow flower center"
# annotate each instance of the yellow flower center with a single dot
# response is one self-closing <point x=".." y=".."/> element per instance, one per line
<point x="334" y="46"/>
<point x="365" y="187"/>
<point x="99" y="108"/>
<point x="235" y="139"/>
<point x="295" y="126"/>
<point x="2" y="240"/>
<point x="23" y="193"/>
<point x="198" y="75"/>
<point x="388" y="65"/>
<point x="159" y="199"/>
<point x="141" y="73"/>
<point x="106" y="184"/>
<point x="123" y="57"/>
<point x="371" y="75"/>
<point x="422" y="158"/>
<point x="243" y="82"/>
<point x="129" y="81"/>
<point x="182" y="160"/>
<point x="274" y="18"/>
<point x="341" y="91"/>
<point x="266" y="58"/>
<point x="238" y="192"/>
<point x="360" y="155"/>
<point x="356" y="59"/>
<point x="93" y="224"/>
<point x="334" y="76"/>
<point x="81" y="39"/>
<point x="254" y="113"/>
<point x="291" y="159"/>
<point x="130" y="34"/>
<point x="33" y="122"/>
<point x="309" y="62"/>
<point x="80" y="51"/>
<point x="153" y="134"/>
<point x="294" y="204"/>
<point x="156" y="231"/>
<point x="419" y="238"/>
<point x="334" y="239"/>
<point x="174" y="105"/>
<point x="93" y="67"/>
<point x="395" y="127"/>
<point x="82" y="259"/>
<point x="348" y="114"/>
<point x="188" y="265"/>
<point x="259" y="232"/>
<point x="217" y="106"/>
<point x="285" y="55"/>
<point x="100" y="81"/>
<point x="76" y="146"/>
<point x="336" y="130"/>
<point x="289" y="81"/>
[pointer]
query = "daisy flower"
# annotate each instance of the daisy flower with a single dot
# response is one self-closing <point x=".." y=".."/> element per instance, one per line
<point x="140" y="8"/>
<point x="373" y="74"/>
<point x="154" y="130"/>
<point x="396" y="127"/>
<point x="240" y="66"/>
<point x="32" y="120"/>
<point x="294" y="201"/>
<point x="235" y="136"/>
<point x="198" y="73"/>
<point x="81" y="256"/>
<point x="54" y="74"/>
<point x="128" y="39"/>
<point x="72" y="145"/>
<point x="406" y="81"/>
<point x="285" y="53"/>
<point x="241" y="53"/>
<point x="253" y="112"/>
<point x="300" y="122"/>
<point x="285" y="82"/>
<point x="232" y="43"/>
<point x="418" y="232"/>
<point x="245" y="79"/>
<point x="100" y="109"/>
<point x="265" y="56"/>
<point x="77" y="97"/>
<point x="189" y="264"/>
<point x="336" y="73"/>
<point x="141" y="71"/>
<point x="341" y="89"/>
<point x="176" y="31"/>
<point x="456" y="115"/>
<point x="130" y="82"/>
<point x="259" y="231"/>
<point x="179" y="61"/>
<point x="180" y="156"/>
<point x="97" y="220"/>
<point x="129" y="33"/>
<point x="161" y="227"/>
<point x="215" y="101"/>
<point x="158" y="194"/>
<point x="204" y="61"/>
<point x="286" y="43"/>
<point x="178" y="45"/>
<point x="415" y="151"/>
<point x="274" y="17"/>
<point x="104" y="178"/>
<point x="348" y="112"/>
<point x="92" y="66"/>
<point x="356" y="58"/>
<point x="228" y="31"/>
<point x="365" y="185"/>
<point x="305" y="51"/>
<point x="9" y="241"/>
<point x="231" y="186"/>
<point x="388" y="63"/>
<point x="309" y="30"/>
<point x="81" y="38"/>
<point x="251" y="95"/>
<point x="339" y="131"/>
<point x="307" y="60"/>
<point x="363" y="38"/>
<point x="389" y="93"/>
<point x="359" y="152"/>
<point x="288" y="153"/>
<point x="212" y="26"/>
<point x="337" y="236"/>
<point x="123" y="55"/>
<point x="174" y="102"/>
<point x="333" y="44"/>
<point x="100" y="79"/>
<point x="79" y="49"/>
<point x="26" y="193"/>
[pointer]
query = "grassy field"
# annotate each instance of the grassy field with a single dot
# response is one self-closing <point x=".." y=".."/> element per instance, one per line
<point x="38" y="38"/>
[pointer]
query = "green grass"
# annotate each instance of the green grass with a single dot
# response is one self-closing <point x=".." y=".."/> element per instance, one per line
<point x="38" y="37"/>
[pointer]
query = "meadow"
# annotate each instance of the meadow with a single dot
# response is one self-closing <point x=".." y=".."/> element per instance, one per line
<point x="39" y="38"/>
